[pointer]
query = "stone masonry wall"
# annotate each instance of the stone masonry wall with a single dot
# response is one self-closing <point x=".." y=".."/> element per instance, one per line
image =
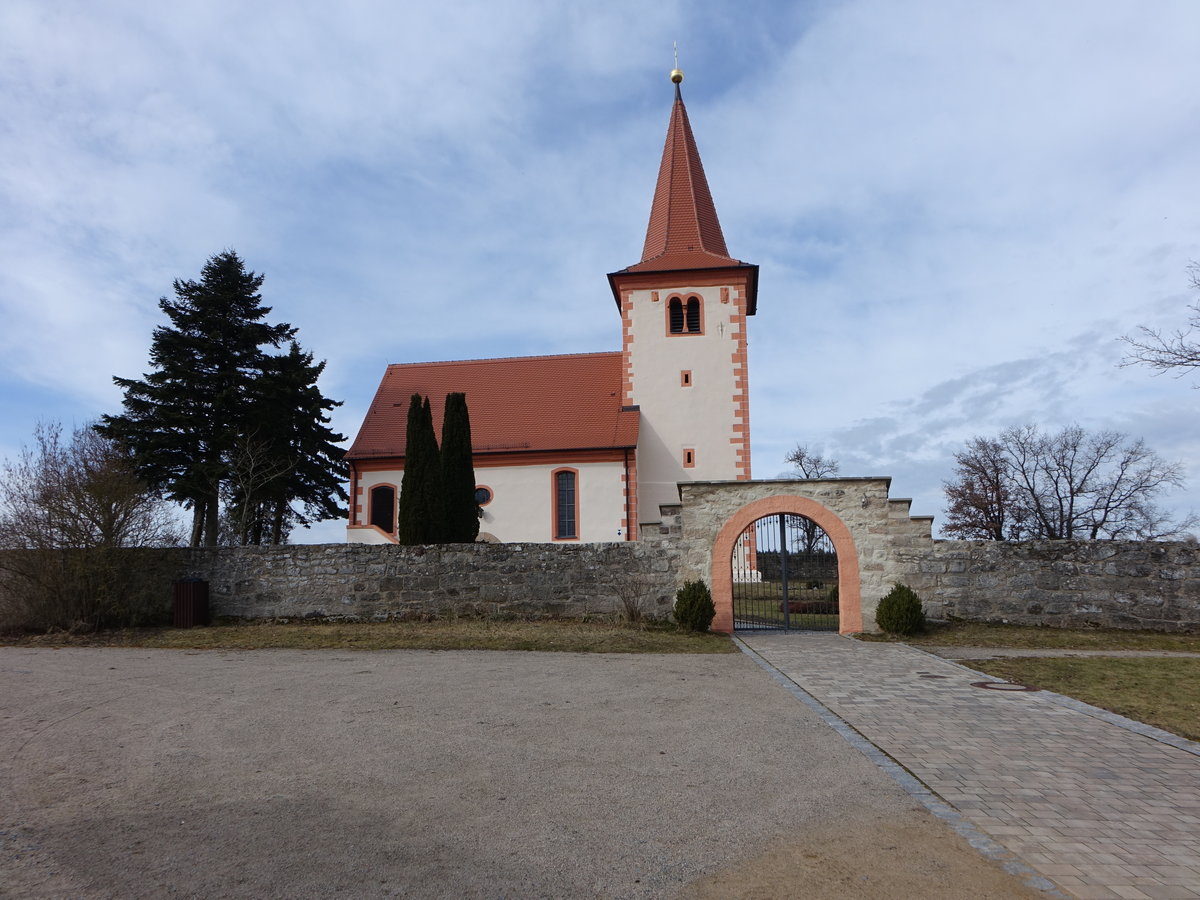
<point x="1079" y="584"/>
<point x="366" y="581"/>
<point x="1112" y="584"/>
<point x="1082" y="583"/>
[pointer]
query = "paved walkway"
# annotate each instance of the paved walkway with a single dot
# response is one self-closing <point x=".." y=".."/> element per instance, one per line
<point x="1102" y="806"/>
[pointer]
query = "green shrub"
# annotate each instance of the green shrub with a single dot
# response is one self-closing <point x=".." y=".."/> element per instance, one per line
<point x="694" y="608"/>
<point x="832" y="597"/>
<point x="900" y="611"/>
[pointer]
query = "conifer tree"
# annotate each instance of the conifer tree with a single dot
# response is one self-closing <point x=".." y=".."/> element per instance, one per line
<point x="419" y="514"/>
<point x="193" y="421"/>
<point x="431" y="478"/>
<point x="458" y="472"/>
<point x="407" y="520"/>
<point x="289" y="457"/>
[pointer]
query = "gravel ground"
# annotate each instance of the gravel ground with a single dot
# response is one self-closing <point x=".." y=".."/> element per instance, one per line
<point x="158" y="773"/>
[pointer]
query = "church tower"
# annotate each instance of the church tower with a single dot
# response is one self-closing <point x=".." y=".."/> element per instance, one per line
<point x="683" y="309"/>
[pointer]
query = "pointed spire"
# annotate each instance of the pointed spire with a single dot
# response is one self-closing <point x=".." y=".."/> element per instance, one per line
<point x="684" y="232"/>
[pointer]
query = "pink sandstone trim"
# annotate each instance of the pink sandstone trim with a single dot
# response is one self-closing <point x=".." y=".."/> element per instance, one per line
<point x="849" y="581"/>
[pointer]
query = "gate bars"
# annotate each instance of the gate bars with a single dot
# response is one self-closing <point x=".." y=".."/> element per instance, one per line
<point x="785" y="576"/>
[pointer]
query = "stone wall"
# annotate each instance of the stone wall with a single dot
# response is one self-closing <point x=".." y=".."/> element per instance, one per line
<point x="1078" y="584"/>
<point x="365" y="581"/>
<point x="1094" y="583"/>
<point x="1153" y="585"/>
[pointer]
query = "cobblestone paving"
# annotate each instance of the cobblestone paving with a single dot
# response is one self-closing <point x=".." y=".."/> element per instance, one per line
<point x="1101" y="806"/>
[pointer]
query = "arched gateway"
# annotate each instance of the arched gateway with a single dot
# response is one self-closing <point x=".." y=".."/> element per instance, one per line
<point x="738" y="553"/>
<point x="876" y="541"/>
<point x="785" y="576"/>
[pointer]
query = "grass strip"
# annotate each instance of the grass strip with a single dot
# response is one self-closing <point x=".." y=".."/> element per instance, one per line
<point x="456" y="634"/>
<point x="978" y="634"/>
<point x="1160" y="692"/>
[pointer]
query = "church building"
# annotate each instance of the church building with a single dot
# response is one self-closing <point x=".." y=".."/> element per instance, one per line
<point x="587" y="447"/>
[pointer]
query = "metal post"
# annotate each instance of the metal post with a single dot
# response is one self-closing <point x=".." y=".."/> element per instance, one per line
<point x="783" y="573"/>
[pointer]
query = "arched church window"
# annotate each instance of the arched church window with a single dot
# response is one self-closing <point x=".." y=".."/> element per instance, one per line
<point x="675" y="315"/>
<point x="693" y="315"/>
<point x="383" y="507"/>
<point x="566" y="506"/>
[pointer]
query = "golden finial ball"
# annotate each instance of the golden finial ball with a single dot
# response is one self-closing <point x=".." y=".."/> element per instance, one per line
<point x="676" y="76"/>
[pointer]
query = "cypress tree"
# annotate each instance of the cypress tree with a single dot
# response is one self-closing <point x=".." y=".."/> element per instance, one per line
<point x="458" y="473"/>
<point x="407" y="518"/>
<point x="419" y="514"/>
<point x="431" y="479"/>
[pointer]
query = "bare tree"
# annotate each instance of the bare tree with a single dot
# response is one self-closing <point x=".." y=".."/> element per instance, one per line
<point x="980" y="502"/>
<point x="255" y="512"/>
<point x="811" y="465"/>
<point x="1071" y="485"/>
<point x="78" y="495"/>
<point x="1174" y="351"/>
<point x="67" y="510"/>
<point x="807" y="533"/>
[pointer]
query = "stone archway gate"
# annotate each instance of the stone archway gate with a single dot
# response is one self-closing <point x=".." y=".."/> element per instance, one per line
<point x="877" y="541"/>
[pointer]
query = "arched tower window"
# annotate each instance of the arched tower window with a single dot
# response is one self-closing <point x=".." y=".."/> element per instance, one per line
<point x="675" y="315"/>
<point x="685" y="316"/>
<point x="383" y="507"/>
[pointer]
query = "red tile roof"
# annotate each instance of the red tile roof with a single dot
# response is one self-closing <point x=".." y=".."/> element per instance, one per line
<point x="684" y="232"/>
<point x="519" y="404"/>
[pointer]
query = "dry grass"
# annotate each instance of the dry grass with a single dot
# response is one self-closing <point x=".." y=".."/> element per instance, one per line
<point x="1160" y="692"/>
<point x="457" y="634"/>
<point x="975" y="634"/>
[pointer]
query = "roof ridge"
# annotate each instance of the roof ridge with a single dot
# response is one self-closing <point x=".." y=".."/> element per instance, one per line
<point x="501" y="359"/>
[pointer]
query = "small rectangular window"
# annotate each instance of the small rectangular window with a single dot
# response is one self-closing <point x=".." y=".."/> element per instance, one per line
<point x="685" y="378"/>
<point x="689" y="458"/>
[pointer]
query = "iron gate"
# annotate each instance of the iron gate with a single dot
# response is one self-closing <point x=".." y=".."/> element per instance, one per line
<point x="785" y="576"/>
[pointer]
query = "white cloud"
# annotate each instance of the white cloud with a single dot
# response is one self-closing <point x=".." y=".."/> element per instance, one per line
<point x="957" y="208"/>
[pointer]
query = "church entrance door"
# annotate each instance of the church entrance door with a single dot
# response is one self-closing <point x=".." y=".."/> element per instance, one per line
<point x="784" y="570"/>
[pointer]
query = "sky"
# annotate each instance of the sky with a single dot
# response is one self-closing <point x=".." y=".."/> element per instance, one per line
<point x="958" y="208"/>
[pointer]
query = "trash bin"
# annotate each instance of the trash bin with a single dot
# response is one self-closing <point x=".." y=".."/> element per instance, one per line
<point x="191" y="602"/>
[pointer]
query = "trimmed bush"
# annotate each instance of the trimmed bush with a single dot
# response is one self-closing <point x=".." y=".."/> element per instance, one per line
<point x="694" y="608"/>
<point x="833" y="598"/>
<point x="900" y="612"/>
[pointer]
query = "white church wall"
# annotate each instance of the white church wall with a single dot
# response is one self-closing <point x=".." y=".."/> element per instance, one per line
<point x="522" y="504"/>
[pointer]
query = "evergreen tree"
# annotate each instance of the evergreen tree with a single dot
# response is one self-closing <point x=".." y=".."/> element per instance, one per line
<point x="431" y="482"/>
<point x="201" y="426"/>
<point x="458" y="473"/>
<point x="289" y="457"/>
<point x="407" y="521"/>
<point x="419" y="515"/>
